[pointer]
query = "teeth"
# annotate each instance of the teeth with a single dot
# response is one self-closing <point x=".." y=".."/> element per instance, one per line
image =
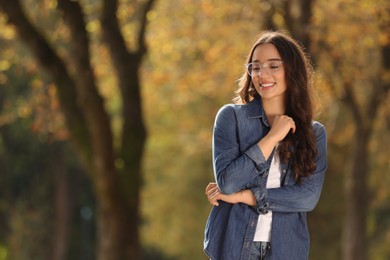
<point x="267" y="85"/>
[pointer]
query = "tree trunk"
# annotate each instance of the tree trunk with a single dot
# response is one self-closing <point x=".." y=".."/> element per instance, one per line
<point x="115" y="240"/>
<point x="127" y="64"/>
<point x="299" y="26"/>
<point x="62" y="211"/>
<point x="117" y="219"/>
<point x="355" y="245"/>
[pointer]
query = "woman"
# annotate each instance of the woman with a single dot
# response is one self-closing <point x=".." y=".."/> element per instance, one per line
<point x="269" y="158"/>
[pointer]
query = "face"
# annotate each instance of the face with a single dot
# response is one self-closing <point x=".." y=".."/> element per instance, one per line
<point x="269" y="77"/>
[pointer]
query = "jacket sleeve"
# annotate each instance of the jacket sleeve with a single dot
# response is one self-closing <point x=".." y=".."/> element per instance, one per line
<point x="298" y="197"/>
<point x="233" y="169"/>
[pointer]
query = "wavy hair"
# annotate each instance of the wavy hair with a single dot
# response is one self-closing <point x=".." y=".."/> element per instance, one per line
<point x="300" y="146"/>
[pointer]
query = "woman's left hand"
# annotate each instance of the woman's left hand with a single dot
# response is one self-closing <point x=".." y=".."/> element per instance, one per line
<point x="213" y="193"/>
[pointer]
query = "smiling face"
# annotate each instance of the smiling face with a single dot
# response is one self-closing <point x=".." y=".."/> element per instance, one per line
<point x="269" y="83"/>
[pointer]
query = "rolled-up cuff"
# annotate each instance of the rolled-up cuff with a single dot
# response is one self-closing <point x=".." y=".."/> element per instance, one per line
<point x="261" y="201"/>
<point x="256" y="155"/>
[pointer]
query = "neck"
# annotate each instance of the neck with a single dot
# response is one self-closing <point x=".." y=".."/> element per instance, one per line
<point x="274" y="108"/>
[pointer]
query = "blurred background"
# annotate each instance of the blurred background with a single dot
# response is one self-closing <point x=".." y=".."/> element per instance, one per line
<point x="107" y="110"/>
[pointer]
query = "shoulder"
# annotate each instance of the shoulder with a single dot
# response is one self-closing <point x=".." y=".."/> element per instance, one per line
<point x="229" y="110"/>
<point x="319" y="129"/>
<point x="231" y="107"/>
<point x="253" y="107"/>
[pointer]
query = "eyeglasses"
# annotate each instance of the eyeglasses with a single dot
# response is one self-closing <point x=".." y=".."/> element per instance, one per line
<point x="270" y="66"/>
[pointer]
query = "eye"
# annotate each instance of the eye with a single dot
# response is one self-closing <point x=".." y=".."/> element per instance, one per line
<point x="274" y="66"/>
<point x="255" y="67"/>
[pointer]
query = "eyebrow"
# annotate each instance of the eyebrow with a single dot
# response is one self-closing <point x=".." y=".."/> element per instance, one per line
<point x="272" y="59"/>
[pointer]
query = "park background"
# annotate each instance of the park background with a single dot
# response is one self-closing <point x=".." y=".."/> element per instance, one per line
<point x="106" y="117"/>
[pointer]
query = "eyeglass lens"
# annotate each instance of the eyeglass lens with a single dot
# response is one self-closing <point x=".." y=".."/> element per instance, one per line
<point x="270" y="67"/>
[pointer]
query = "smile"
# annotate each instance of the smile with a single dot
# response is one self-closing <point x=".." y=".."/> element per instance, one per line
<point x="267" y="85"/>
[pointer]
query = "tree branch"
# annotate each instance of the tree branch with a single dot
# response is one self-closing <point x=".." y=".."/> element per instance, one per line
<point x="141" y="35"/>
<point x="112" y="35"/>
<point x="89" y="99"/>
<point x="350" y="99"/>
<point x="127" y="65"/>
<point x="74" y="18"/>
<point x="53" y="64"/>
<point x="306" y="7"/>
<point x="268" y="15"/>
<point x="381" y="85"/>
<point x="299" y="26"/>
<point x="288" y="19"/>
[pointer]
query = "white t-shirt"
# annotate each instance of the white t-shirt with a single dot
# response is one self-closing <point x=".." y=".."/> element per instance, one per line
<point x="263" y="229"/>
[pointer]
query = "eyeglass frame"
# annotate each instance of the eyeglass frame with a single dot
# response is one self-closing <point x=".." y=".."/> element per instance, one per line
<point x="267" y="68"/>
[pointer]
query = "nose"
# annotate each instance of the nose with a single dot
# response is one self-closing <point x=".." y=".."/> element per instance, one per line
<point x="263" y="72"/>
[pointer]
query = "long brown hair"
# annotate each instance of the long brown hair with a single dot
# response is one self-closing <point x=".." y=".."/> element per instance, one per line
<point x="300" y="146"/>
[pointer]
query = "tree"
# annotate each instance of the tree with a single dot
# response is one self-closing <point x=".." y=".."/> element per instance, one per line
<point x="116" y="185"/>
<point x="348" y="79"/>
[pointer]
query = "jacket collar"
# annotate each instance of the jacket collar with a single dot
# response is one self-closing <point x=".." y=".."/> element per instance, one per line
<point x="255" y="110"/>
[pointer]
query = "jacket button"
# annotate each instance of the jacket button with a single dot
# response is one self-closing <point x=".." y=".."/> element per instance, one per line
<point x="262" y="211"/>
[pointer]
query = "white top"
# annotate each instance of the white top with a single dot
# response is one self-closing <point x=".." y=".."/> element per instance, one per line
<point x="263" y="228"/>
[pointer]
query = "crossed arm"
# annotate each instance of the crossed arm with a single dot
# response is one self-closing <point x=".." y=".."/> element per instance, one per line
<point x="214" y="194"/>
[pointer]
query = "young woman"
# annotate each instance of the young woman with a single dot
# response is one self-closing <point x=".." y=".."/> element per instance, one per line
<point x="269" y="158"/>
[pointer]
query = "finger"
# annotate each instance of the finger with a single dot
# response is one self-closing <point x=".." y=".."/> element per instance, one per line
<point x="215" y="196"/>
<point x="291" y="122"/>
<point x="207" y="187"/>
<point x="214" y="202"/>
<point x="293" y="127"/>
<point x="210" y="186"/>
<point x="212" y="190"/>
<point x="213" y="199"/>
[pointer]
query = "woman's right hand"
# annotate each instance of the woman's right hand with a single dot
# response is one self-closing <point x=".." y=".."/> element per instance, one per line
<point x="281" y="126"/>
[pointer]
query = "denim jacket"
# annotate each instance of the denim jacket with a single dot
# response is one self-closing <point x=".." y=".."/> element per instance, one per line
<point x="239" y="164"/>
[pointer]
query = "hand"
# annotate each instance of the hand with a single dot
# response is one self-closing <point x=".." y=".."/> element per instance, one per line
<point x="281" y="126"/>
<point x="213" y="193"/>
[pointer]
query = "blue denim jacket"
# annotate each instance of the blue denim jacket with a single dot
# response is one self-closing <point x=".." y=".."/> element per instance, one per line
<point x="239" y="164"/>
